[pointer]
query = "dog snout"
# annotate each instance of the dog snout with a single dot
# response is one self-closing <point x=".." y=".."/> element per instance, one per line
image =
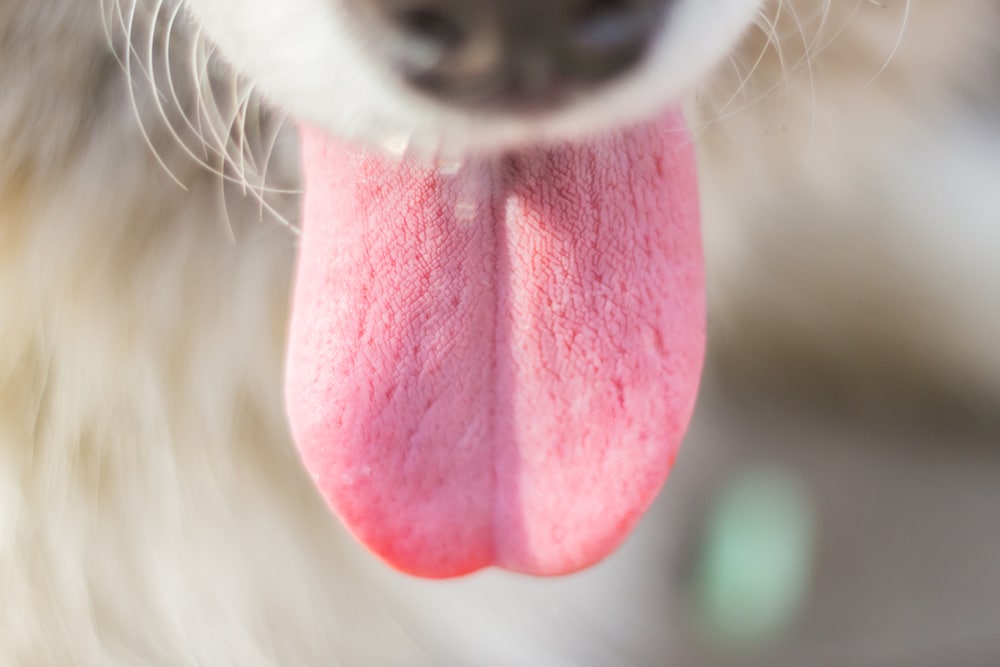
<point x="511" y="53"/>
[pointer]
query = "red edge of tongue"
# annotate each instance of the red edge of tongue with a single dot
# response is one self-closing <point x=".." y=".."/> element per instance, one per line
<point x="496" y="365"/>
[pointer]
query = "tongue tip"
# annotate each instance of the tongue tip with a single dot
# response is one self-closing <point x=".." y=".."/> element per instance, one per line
<point x="428" y="563"/>
<point x="552" y="559"/>
<point x="427" y="538"/>
<point x="546" y="560"/>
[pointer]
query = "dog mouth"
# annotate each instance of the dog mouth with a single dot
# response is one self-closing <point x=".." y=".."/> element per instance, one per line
<point x="492" y="360"/>
<point x="494" y="363"/>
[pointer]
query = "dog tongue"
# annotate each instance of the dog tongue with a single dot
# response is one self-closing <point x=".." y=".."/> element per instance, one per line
<point x="494" y="363"/>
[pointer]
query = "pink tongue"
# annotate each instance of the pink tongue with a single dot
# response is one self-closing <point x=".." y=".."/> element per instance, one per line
<point x="495" y="366"/>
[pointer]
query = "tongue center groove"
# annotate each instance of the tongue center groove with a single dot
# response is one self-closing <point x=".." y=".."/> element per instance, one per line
<point x="500" y="418"/>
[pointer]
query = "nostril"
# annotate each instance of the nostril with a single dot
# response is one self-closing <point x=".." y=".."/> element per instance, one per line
<point x="600" y="26"/>
<point x="423" y="38"/>
<point x="430" y="27"/>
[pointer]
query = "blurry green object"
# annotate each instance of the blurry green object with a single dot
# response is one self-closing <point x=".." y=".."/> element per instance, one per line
<point x="756" y="564"/>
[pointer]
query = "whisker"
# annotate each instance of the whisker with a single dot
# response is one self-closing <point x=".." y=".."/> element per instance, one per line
<point x="903" y="23"/>
<point x="210" y="114"/>
<point x="128" y="27"/>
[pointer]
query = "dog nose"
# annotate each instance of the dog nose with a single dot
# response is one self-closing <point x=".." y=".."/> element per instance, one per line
<point x="512" y="53"/>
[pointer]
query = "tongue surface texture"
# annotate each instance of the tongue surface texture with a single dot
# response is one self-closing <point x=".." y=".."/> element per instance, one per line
<point x="495" y="364"/>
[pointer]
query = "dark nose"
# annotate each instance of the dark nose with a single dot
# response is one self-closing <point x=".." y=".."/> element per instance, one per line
<point x="511" y="53"/>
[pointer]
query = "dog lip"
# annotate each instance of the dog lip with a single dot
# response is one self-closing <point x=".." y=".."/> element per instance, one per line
<point x="511" y="100"/>
<point x="500" y="94"/>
